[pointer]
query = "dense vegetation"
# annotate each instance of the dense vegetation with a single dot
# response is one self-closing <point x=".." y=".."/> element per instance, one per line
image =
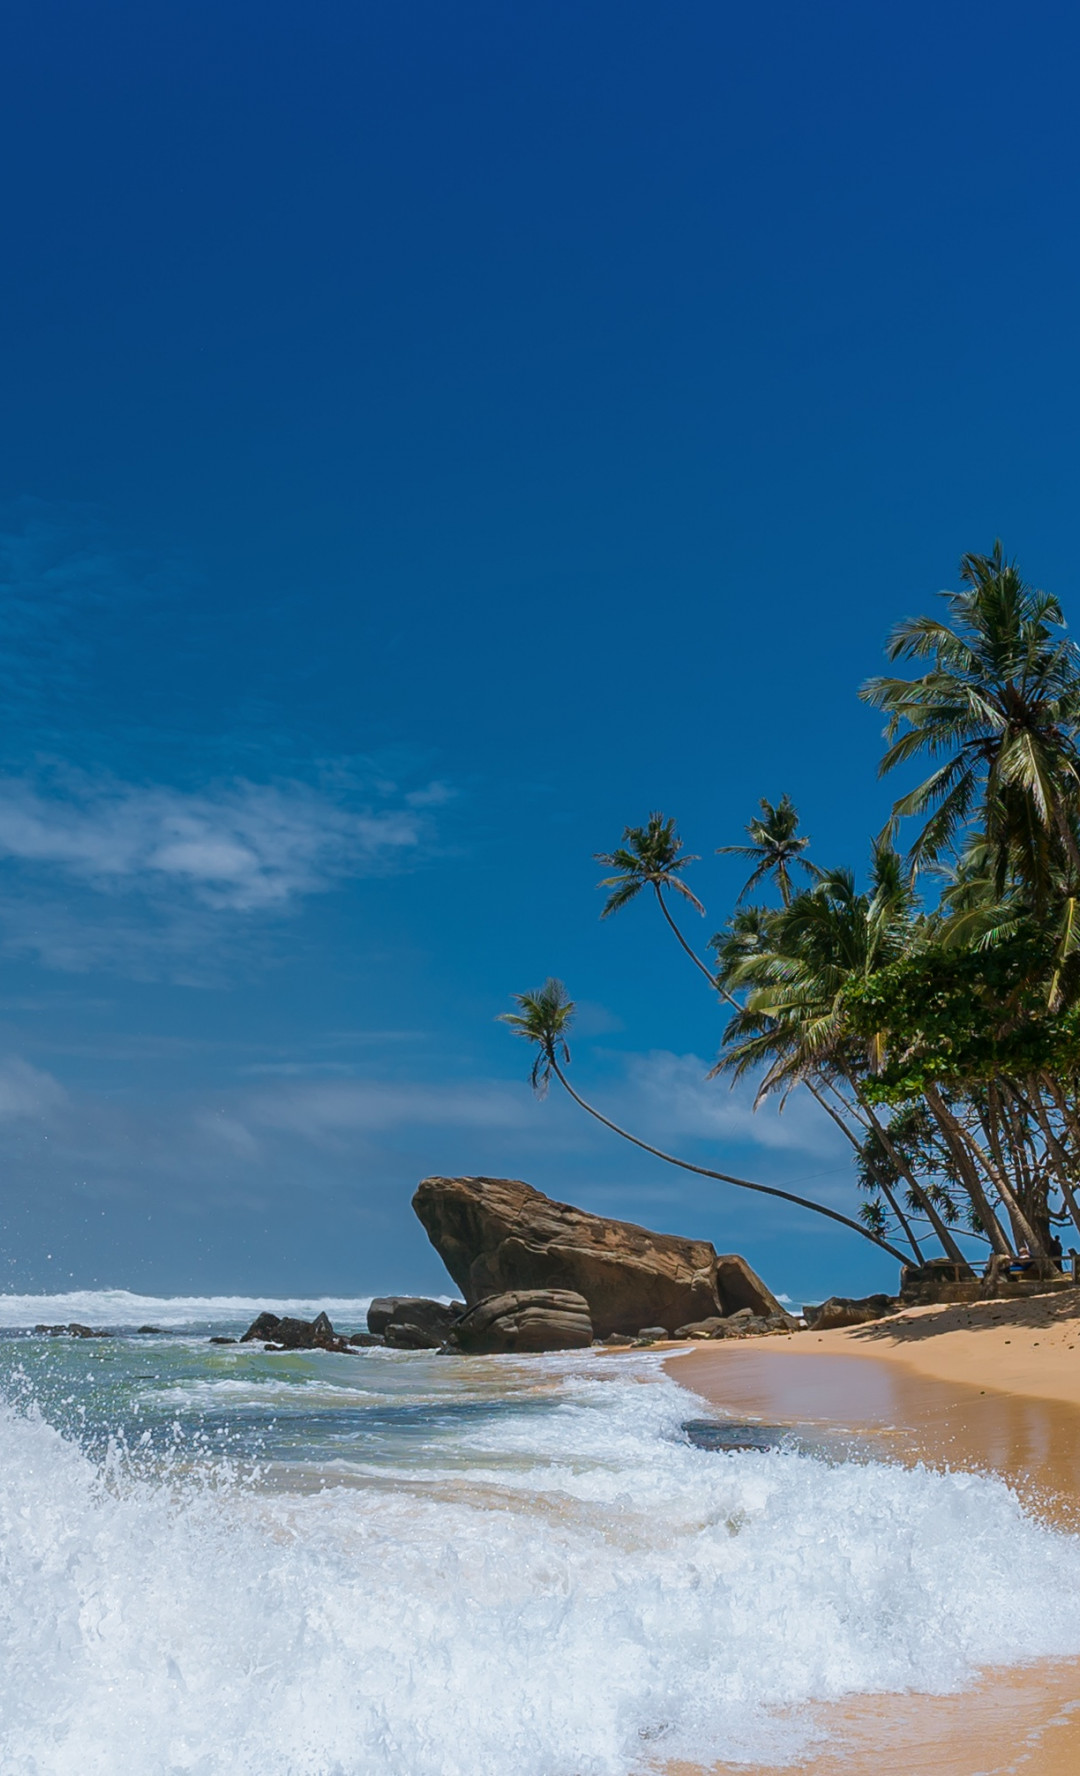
<point x="933" y="1013"/>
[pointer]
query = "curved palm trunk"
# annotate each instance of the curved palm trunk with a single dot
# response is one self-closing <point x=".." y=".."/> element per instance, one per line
<point x="881" y="1183"/>
<point x="964" y="1145"/>
<point x="1057" y="1152"/>
<point x="948" y="1243"/>
<point x="689" y="949"/>
<point x="686" y="1165"/>
<point x="968" y="1171"/>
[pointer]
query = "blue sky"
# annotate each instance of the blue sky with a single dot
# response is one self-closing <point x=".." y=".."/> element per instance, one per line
<point x="433" y="437"/>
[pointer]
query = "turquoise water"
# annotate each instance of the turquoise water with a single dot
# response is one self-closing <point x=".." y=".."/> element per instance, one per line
<point x="222" y="1561"/>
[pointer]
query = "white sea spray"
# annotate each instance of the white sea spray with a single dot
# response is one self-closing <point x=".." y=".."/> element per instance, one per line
<point x="529" y="1572"/>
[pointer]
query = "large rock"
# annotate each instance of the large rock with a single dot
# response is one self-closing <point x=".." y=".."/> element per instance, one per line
<point x="497" y="1235"/>
<point x="290" y="1334"/>
<point x="524" y="1320"/>
<point x="421" y="1325"/>
<point x="843" y="1310"/>
<point x="412" y="1322"/>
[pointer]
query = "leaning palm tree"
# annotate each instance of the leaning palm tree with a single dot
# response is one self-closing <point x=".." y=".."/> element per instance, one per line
<point x="776" y="845"/>
<point x="792" y="1026"/>
<point x="650" y="856"/>
<point x="999" y="706"/>
<point x="544" y="1017"/>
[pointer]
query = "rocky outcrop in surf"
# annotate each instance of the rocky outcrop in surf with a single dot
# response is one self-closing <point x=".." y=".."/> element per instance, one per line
<point x="412" y="1322"/>
<point x="499" y="1235"/>
<point x="524" y="1320"/>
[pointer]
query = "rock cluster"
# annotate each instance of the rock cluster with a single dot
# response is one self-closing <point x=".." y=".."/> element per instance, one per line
<point x="287" y="1334"/>
<point x="498" y="1236"/>
<point x="843" y="1310"/>
<point x="74" y="1330"/>
<point x="412" y="1322"/>
<point x="524" y="1320"/>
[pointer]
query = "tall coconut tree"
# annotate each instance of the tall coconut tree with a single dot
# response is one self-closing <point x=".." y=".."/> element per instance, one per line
<point x="543" y="1018"/>
<point x="651" y="857"/>
<point x="775" y="848"/>
<point x="793" y="1024"/>
<point x="999" y="707"/>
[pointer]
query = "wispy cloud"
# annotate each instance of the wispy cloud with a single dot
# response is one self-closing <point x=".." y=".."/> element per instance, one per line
<point x="27" y="1091"/>
<point x="331" y="1110"/>
<point x="241" y="847"/>
<point x="671" y="1095"/>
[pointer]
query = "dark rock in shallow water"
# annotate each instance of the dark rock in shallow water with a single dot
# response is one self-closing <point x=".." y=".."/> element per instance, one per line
<point x="223" y="1341"/>
<point x="842" y="1310"/>
<point x="524" y="1320"/>
<point x="414" y="1322"/>
<point x="419" y="1311"/>
<point x="159" y="1330"/>
<point x="364" y="1340"/>
<point x="74" y="1330"/>
<point x="290" y="1334"/>
<point x="497" y="1235"/>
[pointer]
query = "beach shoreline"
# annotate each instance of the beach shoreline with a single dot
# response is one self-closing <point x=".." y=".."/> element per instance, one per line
<point x="990" y="1387"/>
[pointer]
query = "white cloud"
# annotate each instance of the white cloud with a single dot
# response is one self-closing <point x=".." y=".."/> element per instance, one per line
<point x="671" y="1094"/>
<point x="27" y="1091"/>
<point x="332" y="1109"/>
<point x="243" y="847"/>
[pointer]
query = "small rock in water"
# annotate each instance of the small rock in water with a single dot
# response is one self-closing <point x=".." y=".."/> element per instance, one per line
<point x="290" y="1334"/>
<point x="364" y="1339"/>
<point x="158" y="1329"/>
<point x="223" y="1341"/>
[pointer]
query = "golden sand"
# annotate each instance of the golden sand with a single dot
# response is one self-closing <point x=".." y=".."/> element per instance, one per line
<point x="993" y="1386"/>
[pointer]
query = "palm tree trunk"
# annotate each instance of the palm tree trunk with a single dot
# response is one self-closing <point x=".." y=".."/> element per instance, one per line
<point x="881" y="1182"/>
<point x="1057" y="1151"/>
<point x="948" y="1243"/>
<point x="689" y="948"/>
<point x="1021" y="1225"/>
<point x="686" y="1165"/>
<point x="972" y="1182"/>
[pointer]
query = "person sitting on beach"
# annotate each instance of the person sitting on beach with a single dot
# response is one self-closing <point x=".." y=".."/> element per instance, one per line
<point x="1022" y="1262"/>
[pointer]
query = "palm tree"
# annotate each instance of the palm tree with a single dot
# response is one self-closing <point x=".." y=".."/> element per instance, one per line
<point x="794" y="969"/>
<point x="651" y="856"/>
<point x="544" y="1017"/>
<point x="775" y="846"/>
<point x="1000" y="707"/>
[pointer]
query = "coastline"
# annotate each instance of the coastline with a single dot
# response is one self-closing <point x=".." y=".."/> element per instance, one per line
<point x="994" y="1386"/>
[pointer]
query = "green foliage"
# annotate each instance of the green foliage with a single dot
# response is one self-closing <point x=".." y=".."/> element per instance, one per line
<point x="961" y="1017"/>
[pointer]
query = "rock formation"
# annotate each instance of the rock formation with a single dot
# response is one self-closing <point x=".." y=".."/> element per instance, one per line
<point x="842" y="1310"/>
<point x="412" y="1322"/>
<point x="525" y="1320"/>
<point x="498" y="1235"/>
<point x="289" y="1334"/>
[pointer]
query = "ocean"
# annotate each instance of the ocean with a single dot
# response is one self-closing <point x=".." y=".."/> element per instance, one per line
<point x="225" y="1562"/>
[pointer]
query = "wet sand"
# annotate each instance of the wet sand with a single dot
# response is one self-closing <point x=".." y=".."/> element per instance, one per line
<point x="990" y="1387"/>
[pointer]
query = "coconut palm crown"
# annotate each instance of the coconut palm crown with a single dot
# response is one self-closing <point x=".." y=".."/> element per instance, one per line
<point x="1000" y="707"/>
<point x="775" y="846"/>
<point x="543" y="1018"/>
<point x="650" y="856"/>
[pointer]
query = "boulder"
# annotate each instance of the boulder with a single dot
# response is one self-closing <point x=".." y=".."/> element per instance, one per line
<point x="74" y="1330"/>
<point x="842" y="1310"/>
<point x="417" y="1309"/>
<point x="524" y="1320"/>
<point x="414" y="1322"/>
<point x="714" y="1327"/>
<point x="498" y="1235"/>
<point x="289" y="1334"/>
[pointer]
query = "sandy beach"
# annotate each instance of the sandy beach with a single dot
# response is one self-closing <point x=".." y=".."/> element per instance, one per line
<point x="989" y="1387"/>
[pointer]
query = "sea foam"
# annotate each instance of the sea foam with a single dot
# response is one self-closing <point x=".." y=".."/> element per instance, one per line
<point x="566" y="1588"/>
